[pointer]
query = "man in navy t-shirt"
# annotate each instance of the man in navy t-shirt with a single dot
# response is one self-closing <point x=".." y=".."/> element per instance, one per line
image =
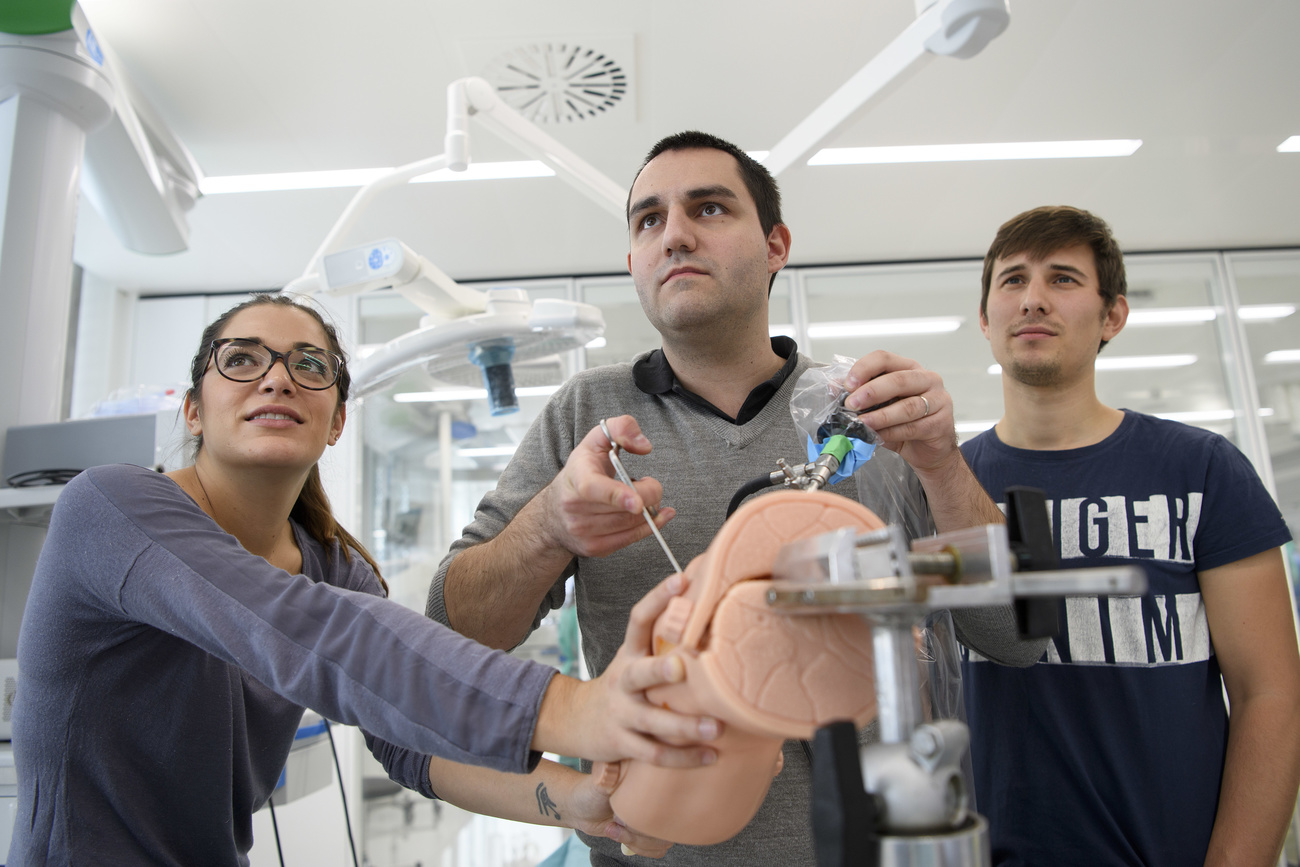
<point x="1116" y="748"/>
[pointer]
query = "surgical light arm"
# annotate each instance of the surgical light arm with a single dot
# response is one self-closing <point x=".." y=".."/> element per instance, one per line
<point x="466" y="98"/>
<point x="483" y="104"/>
<point x="955" y="28"/>
<point x="461" y="324"/>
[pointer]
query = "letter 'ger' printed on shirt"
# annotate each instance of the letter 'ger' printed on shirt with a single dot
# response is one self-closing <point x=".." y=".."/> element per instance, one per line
<point x="1157" y="629"/>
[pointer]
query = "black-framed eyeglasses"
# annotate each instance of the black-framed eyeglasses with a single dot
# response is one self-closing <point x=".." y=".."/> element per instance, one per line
<point x="241" y="360"/>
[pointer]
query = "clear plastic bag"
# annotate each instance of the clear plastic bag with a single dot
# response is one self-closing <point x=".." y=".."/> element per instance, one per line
<point x="817" y="407"/>
<point x="889" y="487"/>
<point x="818" y="399"/>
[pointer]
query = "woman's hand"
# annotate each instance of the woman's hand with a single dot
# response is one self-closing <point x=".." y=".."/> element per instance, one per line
<point x="609" y="718"/>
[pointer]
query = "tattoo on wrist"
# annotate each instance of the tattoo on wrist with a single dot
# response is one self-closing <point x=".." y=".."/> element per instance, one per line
<point x="545" y="805"/>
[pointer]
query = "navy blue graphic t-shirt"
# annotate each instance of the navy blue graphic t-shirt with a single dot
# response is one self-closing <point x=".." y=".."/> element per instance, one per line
<point x="1110" y="749"/>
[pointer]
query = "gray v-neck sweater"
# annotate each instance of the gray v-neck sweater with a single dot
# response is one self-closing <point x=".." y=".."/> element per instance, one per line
<point x="701" y="459"/>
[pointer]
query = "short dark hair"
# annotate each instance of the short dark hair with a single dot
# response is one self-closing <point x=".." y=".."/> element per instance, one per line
<point x="1042" y="231"/>
<point x="758" y="180"/>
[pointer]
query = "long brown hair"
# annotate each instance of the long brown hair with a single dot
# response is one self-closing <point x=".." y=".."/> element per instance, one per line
<point x="312" y="508"/>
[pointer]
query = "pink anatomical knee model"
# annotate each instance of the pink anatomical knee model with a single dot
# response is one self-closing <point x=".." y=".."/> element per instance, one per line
<point x="768" y="676"/>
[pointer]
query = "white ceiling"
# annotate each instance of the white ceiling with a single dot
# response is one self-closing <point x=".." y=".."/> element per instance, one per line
<point x="255" y="87"/>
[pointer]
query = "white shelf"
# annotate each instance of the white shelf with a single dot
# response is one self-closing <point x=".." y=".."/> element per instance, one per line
<point x="15" y="501"/>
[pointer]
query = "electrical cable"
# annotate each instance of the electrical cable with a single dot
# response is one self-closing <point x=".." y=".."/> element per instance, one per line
<point x="751" y="487"/>
<point x="347" y="817"/>
<point x="275" y="826"/>
<point x="38" y="478"/>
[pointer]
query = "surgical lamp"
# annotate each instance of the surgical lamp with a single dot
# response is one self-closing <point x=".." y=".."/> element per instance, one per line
<point x="462" y="326"/>
<point x="488" y="329"/>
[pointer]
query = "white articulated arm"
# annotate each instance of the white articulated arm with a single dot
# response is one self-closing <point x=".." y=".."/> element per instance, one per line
<point x="954" y="28"/>
<point x="466" y="97"/>
<point x="464" y="326"/>
<point x="510" y="125"/>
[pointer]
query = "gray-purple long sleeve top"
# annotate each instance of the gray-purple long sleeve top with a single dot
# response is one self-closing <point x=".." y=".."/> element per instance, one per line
<point x="164" y="671"/>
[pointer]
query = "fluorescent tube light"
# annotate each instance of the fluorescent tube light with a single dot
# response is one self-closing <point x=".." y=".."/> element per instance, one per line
<point x="488" y="452"/>
<point x="884" y="327"/>
<point x="1144" y="362"/>
<point x="1255" y="312"/>
<point x="1192" y="315"/>
<point x="1025" y="150"/>
<point x="1282" y="356"/>
<point x="1205" y="415"/>
<point x="449" y="394"/>
<point x="1132" y="362"/>
<point x="1171" y="316"/>
<point x="1290" y="146"/>
<point x="443" y="394"/>
<point x="212" y="186"/>
<point x="1199" y="415"/>
<point x="490" y="172"/>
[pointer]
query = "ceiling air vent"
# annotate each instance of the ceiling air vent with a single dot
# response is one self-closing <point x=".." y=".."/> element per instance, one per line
<point x="555" y="81"/>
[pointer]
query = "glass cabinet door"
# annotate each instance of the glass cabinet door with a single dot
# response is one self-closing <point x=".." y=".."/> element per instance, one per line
<point x="1268" y="290"/>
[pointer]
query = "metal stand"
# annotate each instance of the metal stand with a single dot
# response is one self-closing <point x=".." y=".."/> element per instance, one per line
<point x="903" y="801"/>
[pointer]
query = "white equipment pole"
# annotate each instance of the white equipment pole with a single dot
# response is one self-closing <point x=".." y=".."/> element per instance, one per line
<point x="52" y="93"/>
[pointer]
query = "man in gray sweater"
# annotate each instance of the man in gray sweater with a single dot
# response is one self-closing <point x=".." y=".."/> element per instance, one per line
<point x="706" y="240"/>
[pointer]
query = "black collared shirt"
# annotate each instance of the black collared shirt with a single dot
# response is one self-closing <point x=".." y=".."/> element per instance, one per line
<point x="654" y="375"/>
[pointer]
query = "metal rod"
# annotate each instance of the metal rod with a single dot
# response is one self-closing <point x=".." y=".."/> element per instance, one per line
<point x="898" y="682"/>
<point x="627" y="480"/>
<point x="934" y="564"/>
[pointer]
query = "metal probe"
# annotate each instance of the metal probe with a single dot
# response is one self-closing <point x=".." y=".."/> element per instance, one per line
<point x="627" y="480"/>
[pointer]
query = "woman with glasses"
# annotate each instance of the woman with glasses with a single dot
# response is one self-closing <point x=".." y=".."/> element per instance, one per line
<point x="178" y="624"/>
